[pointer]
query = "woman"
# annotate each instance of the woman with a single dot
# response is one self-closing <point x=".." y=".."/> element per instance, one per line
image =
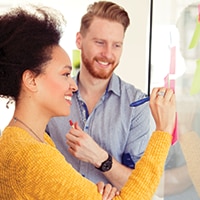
<point x="35" y="73"/>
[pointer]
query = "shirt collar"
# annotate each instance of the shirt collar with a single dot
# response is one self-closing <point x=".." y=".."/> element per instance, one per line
<point x="113" y="85"/>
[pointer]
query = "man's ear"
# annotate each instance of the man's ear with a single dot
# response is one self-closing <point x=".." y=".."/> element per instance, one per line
<point x="28" y="79"/>
<point x="78" y="40"/>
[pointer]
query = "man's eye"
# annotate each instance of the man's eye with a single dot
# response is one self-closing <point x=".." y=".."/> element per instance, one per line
<point x="99" y="42"/>
<point x="118" y="45"/>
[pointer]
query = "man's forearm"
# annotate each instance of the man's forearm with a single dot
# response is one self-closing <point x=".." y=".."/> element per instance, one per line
<point x="118" y="174"/>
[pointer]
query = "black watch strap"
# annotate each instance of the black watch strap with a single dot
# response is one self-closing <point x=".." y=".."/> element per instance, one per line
<point x="106" y="165"/>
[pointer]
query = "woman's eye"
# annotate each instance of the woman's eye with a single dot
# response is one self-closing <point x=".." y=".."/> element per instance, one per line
<point x="67" y="74"/>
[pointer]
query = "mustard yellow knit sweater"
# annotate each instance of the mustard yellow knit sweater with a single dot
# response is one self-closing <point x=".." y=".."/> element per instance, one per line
<point x="33" y="170"/>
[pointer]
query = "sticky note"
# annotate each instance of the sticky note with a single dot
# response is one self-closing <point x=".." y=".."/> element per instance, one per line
<point x="76" y="56"/>
<point x="196" y="35"/>
<point x="175" y="132"/>
<point x="171" y="84"/>
<point x="195" y="88"/>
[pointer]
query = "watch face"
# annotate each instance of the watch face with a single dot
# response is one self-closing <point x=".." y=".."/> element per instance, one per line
<point x="106" y="166"/>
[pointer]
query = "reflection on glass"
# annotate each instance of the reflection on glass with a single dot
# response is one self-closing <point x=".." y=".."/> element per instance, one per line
<point x="175" y="65"/>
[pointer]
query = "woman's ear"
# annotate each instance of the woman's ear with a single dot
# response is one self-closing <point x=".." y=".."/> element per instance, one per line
<point x="28" y="79"/>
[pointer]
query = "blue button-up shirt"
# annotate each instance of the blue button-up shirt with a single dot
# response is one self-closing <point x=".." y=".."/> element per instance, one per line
<point x="121" y="130"/>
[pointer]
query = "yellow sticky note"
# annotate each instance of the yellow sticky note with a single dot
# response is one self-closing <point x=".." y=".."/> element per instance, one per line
<point x="195" y="88"/>
<point x="196" y="35"/>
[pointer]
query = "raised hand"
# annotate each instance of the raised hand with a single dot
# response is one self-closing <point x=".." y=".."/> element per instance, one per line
<point x="163" y="108"/>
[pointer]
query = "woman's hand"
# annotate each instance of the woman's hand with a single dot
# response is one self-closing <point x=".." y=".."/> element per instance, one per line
<point x="163" y="109"/>
<point x="107" y="190"/>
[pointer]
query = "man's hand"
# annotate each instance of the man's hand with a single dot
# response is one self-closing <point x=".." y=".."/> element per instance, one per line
<point x="83" y="147"/>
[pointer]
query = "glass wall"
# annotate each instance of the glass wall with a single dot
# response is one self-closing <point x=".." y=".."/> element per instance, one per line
<point x="175" y="63"/>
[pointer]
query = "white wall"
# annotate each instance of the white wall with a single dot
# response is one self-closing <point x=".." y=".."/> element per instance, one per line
<point x="134" y="61"/>
<point x="135" y="56"/>
<point x="133" y="65"/>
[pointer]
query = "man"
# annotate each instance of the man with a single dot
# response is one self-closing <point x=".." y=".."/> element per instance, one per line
<point x="115" y="135"/>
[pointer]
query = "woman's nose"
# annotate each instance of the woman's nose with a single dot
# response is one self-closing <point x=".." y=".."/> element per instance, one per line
<point x="73" y="85"/>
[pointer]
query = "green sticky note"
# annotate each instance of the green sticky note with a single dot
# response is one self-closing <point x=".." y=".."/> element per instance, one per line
<point x="196" y="36"/>
<point x="195" y="88"/>
<point x="76" y="58"/>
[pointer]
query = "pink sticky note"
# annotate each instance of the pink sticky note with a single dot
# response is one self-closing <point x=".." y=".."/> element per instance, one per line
<point x="174" y="134"/>
<point x="173" y="66"/>
<point x="166" y="81"/>
<point x="171" y="84"/>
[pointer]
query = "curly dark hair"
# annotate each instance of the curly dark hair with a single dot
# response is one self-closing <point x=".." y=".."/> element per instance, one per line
<point x="105" y="10"/>
<point x="26" y="41"/>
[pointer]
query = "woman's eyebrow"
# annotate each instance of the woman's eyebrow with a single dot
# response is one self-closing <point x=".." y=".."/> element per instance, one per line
<point x="68" y="67"/>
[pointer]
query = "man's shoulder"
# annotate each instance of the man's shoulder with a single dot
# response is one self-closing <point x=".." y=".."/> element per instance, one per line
<point x="130" y="88"/>
<point x="124" y="85"/>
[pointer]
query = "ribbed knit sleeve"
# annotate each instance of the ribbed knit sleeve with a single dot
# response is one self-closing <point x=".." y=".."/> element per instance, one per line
<point x="144" y="180"/>
<point x="38" y="171"/>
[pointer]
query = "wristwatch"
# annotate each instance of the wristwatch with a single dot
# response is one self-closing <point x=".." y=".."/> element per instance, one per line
<point x="106" y="165"/>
